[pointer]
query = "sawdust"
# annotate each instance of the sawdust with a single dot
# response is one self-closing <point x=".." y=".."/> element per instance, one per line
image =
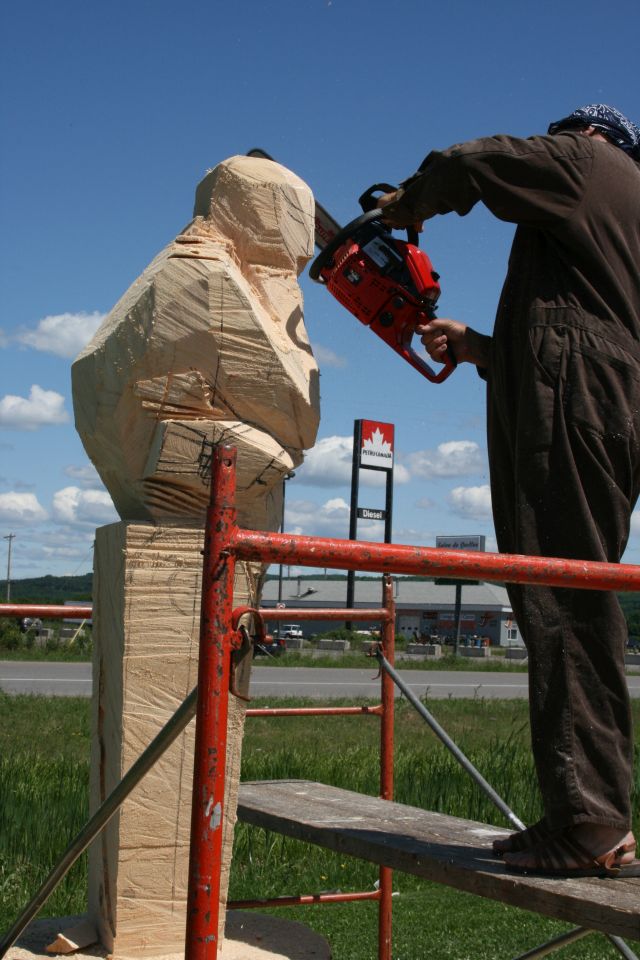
<point x="249" y="936"/>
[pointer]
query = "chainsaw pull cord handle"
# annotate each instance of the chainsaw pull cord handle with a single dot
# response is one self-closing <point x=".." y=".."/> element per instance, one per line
<point x="368" y="202"/>
<point x="325" y="256"/>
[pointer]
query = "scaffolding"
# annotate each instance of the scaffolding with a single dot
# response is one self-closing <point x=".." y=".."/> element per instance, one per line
<point x="221" y="634"/>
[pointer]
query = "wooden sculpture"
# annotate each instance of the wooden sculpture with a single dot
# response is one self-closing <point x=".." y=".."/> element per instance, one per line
<point x="207" y="346"/>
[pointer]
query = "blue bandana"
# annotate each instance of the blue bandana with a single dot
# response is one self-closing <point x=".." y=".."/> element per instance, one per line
<point x="610" y="121"/>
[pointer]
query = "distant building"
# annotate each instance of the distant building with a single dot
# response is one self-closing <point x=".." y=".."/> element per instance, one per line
<point x="421" y="606"/>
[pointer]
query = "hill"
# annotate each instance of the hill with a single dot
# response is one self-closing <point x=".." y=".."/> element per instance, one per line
<point x="52" y="589"/>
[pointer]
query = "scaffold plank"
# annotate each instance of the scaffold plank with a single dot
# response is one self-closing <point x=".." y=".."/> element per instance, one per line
<point x="443" y="849"/>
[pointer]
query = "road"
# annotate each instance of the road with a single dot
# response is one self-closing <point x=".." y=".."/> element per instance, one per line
<point x="321" y="683"/>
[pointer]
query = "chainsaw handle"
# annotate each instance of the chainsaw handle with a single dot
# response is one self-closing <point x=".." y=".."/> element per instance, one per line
<point x="368" y="202"/>
<point x="407" y="352"/>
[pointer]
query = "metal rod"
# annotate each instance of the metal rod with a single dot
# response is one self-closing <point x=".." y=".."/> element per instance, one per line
<point x="210" y="751"/>
<point x="313" y="613"/>
<point x="353" y="508"/>
<point x="385" y="874"/>
<point x="172" y="729"/>
<point x="452" y="747"/>
<point x="570" y="937"/>
<point x="43" y="610"/>
<point x="57" y="612"/>
<point x="311" y="898"/>
<point x="434" y="561"/>
<point x="312" y="711"/>
<point x="556" y="944"/>
<point x="622" y="947"/>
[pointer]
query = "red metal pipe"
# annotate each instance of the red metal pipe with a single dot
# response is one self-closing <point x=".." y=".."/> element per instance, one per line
<point x="311" y="711"/>
<point x="45" y="611"/>
<point x="290" y="613"/>
<point x="311" y="898"/>
<point x="385" y="906"/>
<point x="388" y="696"/>
<point x="207" y="810"/>
<point x="431" y="561"/>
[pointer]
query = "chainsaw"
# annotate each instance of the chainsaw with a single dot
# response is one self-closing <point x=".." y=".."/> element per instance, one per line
<point x="387" y="283"/>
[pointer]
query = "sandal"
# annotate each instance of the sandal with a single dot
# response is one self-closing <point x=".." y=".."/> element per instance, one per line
<point x="554" y="857"/>
<point x="523" y="839"/>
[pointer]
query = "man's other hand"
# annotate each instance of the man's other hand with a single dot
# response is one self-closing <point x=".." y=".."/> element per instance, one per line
<point x="466" y="344"/>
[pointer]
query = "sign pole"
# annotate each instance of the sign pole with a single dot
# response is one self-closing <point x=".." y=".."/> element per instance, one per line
<point x="457" y="617"/>
<point x="372" y="450"/>
<point x="467" y="542"/>
<point x="353" y="513"/>
<point x="388" y="507"/>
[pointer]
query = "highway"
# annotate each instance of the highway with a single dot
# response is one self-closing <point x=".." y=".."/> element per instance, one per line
<point x="319" y="683"/>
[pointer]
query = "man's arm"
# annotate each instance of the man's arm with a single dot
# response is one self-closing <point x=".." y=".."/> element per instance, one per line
<point x="533" y="181"/>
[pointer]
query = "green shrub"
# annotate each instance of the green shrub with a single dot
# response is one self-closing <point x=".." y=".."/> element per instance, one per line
<point x="10" y="635"/>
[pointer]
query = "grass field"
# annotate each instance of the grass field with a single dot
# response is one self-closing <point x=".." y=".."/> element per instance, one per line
<point x="43" y="787"/>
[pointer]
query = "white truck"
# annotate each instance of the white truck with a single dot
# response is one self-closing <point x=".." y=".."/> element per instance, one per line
<point x="291" y="631"/>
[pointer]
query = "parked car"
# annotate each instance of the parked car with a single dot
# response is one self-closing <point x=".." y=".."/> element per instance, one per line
<point x="291" y="631"/>
<point x="270" y="646"/>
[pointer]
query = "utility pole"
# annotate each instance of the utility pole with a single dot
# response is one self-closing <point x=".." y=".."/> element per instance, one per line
<point x="9" y="537"/>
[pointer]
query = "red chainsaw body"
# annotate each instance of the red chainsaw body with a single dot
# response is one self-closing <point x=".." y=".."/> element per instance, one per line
<point x="390" y="286"/>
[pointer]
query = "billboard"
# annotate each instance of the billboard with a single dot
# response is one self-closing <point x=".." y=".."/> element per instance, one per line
<point x="376" y="445"/>
<point x="467" y="542"/>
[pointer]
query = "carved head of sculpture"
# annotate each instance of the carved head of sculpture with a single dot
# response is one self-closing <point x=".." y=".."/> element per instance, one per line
<point x="265" y="210"/>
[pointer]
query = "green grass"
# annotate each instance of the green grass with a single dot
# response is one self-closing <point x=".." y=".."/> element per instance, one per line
<point x="44" y="727"/>
<point x="44" y="746"/>
<point x="355" y="659"/>
<point x="26" y="654"/>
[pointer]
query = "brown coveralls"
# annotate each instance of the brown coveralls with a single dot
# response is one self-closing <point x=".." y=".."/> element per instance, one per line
<point x="563" y="430"/>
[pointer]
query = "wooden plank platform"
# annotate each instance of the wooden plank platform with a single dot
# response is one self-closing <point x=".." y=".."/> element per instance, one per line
<point x="443" y="849"/>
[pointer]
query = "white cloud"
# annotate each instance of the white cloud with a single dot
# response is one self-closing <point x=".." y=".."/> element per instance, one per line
<point x="329" y="464"/>
<point x="635" y="522"/>
<point x="83" y="507"/>
<point x="21" y="508"/>
<point x="63" y="334"/>
<point x="86" y="475"/>
<point x="40" y="408"/>
<point x="455" y="458"/>
<point x="331" y="519"/>
<point x="327" y="358"/>
<point x="424" y="503"/>
<point x="471" y="502"/>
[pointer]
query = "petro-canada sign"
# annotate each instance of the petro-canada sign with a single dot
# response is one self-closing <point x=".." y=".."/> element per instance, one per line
<point x="376" y="445"/>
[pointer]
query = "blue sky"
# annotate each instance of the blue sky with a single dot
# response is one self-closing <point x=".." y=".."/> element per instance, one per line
<point x="112" y="112"/>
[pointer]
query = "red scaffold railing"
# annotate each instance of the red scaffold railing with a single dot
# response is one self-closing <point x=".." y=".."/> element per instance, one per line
<point x="232" y="543"/>
<point x="225" y="543"/>
<point x="217" y="638"/>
